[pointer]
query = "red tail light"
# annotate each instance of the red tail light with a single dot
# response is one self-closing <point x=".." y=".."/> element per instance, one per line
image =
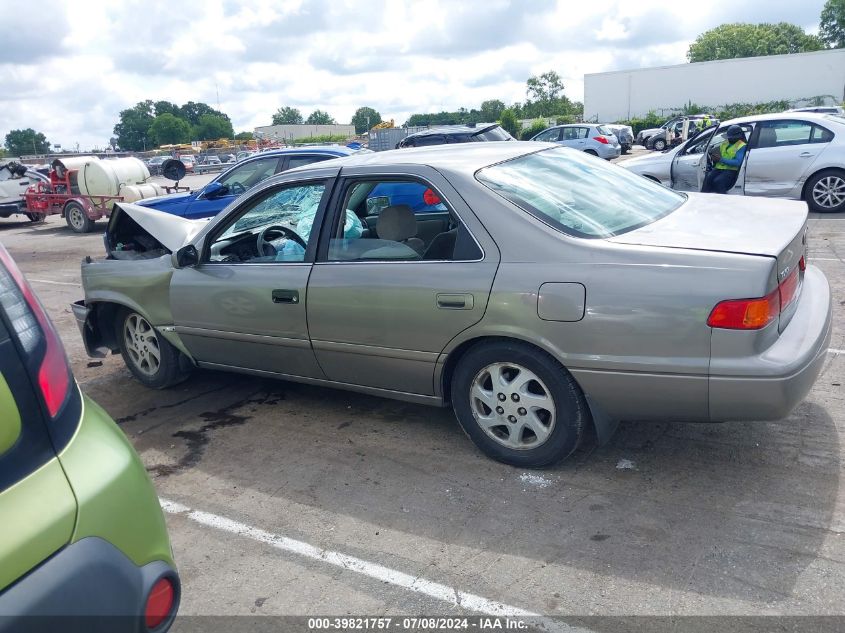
<point x="53" y="372"/>
<point x="754" y="314"/>
<point x="601" y="139"/>
<point x="159" y="603"/>
<point x="430" y="198"/>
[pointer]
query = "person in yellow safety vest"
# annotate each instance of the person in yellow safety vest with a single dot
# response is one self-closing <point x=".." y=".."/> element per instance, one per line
<point x="704" y="122"/>
<point x="726" y="166"/>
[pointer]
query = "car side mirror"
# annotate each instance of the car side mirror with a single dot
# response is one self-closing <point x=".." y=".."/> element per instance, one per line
<point x="214" y="190"/>
<point x="187" y="256"/>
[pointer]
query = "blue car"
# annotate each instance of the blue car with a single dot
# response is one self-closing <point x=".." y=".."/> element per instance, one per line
<point x="218" y="193"/>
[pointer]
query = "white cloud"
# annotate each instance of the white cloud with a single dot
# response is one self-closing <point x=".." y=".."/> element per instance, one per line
<point x="70" y="72"/>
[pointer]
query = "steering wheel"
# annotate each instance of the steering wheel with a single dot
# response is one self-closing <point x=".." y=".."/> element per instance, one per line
<point x="264" y="244"/>
<point x="236" y="188"/>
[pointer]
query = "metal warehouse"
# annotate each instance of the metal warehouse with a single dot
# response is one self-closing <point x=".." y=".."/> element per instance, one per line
<point x="618" y="95"/>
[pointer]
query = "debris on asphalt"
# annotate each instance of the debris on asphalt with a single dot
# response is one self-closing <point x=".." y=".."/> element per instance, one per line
<point x="625" y="464"/>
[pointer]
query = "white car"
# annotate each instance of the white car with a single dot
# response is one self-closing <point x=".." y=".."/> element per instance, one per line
<point x="15" y="179"/>
<point x="796" y="155"/>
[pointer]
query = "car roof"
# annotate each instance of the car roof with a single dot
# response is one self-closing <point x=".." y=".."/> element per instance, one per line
<point x="454" y="129"/>
<point x="818" y="117"/>
<point x="461" y="157"/>
<point x="331" y="150"/>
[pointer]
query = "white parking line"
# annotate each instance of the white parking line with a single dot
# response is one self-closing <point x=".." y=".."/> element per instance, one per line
<point x="55" y="283"/>
<point x="835" y="352"/>
<point x="417" y="584"/>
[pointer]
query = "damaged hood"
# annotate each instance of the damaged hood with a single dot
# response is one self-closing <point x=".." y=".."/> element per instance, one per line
<point x="172" y="231"/>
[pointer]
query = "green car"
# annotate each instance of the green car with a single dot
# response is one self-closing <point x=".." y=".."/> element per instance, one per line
<point x="83" y="542"/>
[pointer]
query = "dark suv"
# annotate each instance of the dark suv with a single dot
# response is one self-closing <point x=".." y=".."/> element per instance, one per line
<point x="456" y="134"/>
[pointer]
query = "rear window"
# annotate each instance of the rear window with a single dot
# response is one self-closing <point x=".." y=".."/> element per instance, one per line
<point x="494" y="134"/>
<point x="604" y="130"/>
<point x="578" y="194"/>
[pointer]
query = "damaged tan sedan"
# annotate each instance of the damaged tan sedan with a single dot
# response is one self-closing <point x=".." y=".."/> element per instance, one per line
<point x="534" y="289"/>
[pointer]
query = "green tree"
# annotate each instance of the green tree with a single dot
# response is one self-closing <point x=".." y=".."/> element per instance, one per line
<point x="133" y="129"/>
<point x="364" y="119"/>
<point x="509" y="123"/>
<point x="545" y="96"/>
<point x="169" y="129"/>
<point x="730" y="41"/>
<point x="318" y="117"/>
<point x="165" y="107"/>
<point x="244" y="136"/>
<point x="25" y="142"/>
<point x="193" y="111"/>
<point x="211" y="127"/>
<point x="491" y="109"/>
<point x="287" y="116"/>
<point x="832" y="25"/>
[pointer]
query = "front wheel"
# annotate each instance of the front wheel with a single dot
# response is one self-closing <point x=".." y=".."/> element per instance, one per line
<point x="77" y="219"/>
<point x="825" y="192"/>
<point x="518" y="404"/>
<point x="659" y="145"/>
<point x="147" y="354"/>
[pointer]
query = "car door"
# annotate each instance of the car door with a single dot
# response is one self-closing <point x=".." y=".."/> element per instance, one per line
<point x="235" y="182"/>
<point x="243" y="306"/>
<point x="379" y="311"/>
<point x="718" y="137"/>
<point x="781" y="154"/>
<point x="687" y="162"/>
<point x="549" y="136"/>
<point x="575" y="137"/>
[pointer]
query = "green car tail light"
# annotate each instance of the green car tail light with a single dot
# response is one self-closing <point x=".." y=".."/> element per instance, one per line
<point x="36" y="335"/>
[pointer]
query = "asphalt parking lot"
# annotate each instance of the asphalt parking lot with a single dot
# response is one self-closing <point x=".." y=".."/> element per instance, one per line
<point x="290" y="499"/>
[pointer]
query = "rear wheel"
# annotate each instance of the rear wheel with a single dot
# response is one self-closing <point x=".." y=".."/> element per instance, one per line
<point x="77" y="218"/>
<point x="825" y="192"/>
<point x="591" y="152"/>
<point x="659" y="145"/>
<point x="518" y="404"/>
<point x="147" y="354"/>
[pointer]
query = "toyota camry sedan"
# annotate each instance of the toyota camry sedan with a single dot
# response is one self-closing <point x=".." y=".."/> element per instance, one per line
<point x="544" y="292"/>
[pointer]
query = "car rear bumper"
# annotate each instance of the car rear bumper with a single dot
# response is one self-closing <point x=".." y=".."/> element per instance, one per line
<point x="769" y="385"/>
<point x="610" y="151"/>
<point x="89" y="586"/>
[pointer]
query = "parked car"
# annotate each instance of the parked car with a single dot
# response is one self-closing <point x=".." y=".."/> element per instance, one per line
<point x="624" y="134"/>
<point x="82" y="536"/>
<point x="188" y="161"/>
<point x="821" y="110"/>
<point x="796" y="155"/>
<point x="456" y="134"/>
<point x="213" y="160"/>
<point x="15" y="179"/>
<point x="229" y="158"/>
<point x="243" y="156"/>
<point x="591" y="139"/>
<point x="553" y="291"/>
<point x="154" y="164"/>
<point x="662" y="137"/>
<point x="221" y="191"/>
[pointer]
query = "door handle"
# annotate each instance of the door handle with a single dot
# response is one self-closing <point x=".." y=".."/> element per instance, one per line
<point x="455" y="301"/>
<point x="806" y="154"/>
<point x="285" y="296"/>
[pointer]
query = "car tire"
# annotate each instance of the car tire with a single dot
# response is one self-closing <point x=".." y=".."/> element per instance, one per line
<point x="825" y="191"/>
<point x="147" y="354"/>
<point x="36" y="217"/>
<point x="659" y="145"/>
<point x="591" y="152"/>
<point x="77" y="219"/>
<point x="493" y="414"/>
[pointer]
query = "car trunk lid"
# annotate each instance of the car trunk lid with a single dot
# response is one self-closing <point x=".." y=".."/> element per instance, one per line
<point x="734" y="224"/>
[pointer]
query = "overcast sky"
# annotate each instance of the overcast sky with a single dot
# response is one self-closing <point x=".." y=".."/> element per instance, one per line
<point x="68" y="68"/>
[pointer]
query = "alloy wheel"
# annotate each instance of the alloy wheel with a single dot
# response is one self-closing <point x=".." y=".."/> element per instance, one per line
<point x="512" y="405"/>
<point x="829" y="192"/>
<point x="142" y="344"/>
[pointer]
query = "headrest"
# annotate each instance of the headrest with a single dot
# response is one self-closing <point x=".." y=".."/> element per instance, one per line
<point x="396" y="223"/>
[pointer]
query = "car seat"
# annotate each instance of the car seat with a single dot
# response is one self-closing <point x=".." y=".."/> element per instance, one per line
<point x="398" y="224"/>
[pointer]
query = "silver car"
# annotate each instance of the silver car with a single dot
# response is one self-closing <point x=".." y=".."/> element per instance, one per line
<point x="535" y="290"/>
<point x="796" y="155"/>
<point x="591" y="139"/>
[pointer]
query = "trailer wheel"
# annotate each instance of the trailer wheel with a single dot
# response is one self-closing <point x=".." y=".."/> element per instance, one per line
<point x="77" y="219"/>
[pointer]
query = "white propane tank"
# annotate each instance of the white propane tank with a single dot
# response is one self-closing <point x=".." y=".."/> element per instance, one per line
<point x="106" y="177"/>
<point x="133" y="193"/>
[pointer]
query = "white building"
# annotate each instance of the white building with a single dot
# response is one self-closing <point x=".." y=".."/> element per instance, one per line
<point x="282" y="133"/>
<point x="623" y="94"/>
